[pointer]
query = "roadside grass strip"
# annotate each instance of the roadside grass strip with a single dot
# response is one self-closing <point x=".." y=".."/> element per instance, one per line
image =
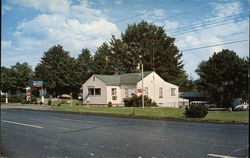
<point x="22" y="124"/>
<point x="173" y="113"/>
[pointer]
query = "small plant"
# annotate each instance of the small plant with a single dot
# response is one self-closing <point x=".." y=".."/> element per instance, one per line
<point x="196" y="111"/>
<point x="109" y="104"/>
<point x="35" y="102"/>
<point x="49" y="102"/>
<point x="59" y="104"/>
<point x="40" y="102"/>
<point x="136" y="101"/>
<point x="23" y="101"/>
<point x="77" y="103"/>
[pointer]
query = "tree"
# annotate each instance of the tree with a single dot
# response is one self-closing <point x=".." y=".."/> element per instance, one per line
<point x="18" y="77"/>
<point x="122" y="59"/>
<point x="149" y="44"/>
<point x="8" y="79"/>
<point x="56" y="69"/>
<point x="102" y="60"/>
<point x="82" y="69"/>
<point x="223" y="78"/>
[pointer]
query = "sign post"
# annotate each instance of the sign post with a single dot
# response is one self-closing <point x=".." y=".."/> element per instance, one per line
<point x="28" y="94"/>
<point x="39" y="84"/>
<point x="6" y="99"/>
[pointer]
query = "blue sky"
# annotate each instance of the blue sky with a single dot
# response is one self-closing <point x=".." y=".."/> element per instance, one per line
<point x="30" y="27"/>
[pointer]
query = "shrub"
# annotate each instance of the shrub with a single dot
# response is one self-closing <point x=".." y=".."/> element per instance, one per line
<point x="49" y="102"/>
<point x="136" y="101"/>
<point x="40" y="102"/>
<point x="59" y="104"/>
<point x="78" y="103"/>
<point x="109" y="104"/>
<point x="23" y="101"/>
<point x="196" y="111"/>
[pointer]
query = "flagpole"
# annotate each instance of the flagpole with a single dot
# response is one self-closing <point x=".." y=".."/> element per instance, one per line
<point x="142" y="85"/>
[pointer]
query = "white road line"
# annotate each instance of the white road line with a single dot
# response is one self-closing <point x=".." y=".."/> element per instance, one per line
<point x="23" y="124"/>
<point x="221" y="156"/>
<point x="107" y="133"/>
<point x="66" y="128"/>
<point x="155" y="138"/>
<point x="75" y="120"/>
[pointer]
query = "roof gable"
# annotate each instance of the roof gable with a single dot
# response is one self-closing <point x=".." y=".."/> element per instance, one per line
<point x="129" y="78"/>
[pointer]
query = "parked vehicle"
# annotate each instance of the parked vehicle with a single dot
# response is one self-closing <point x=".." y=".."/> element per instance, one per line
<point x="242" y="107"/>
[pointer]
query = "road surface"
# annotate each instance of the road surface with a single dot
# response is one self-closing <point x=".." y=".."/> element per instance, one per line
<point x="41" y="134"/>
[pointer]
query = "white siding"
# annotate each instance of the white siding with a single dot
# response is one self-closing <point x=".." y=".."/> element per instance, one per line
<point x="154" y="82"/>
<point x="131" y="89"/>
<point x="109" y="94"/>
<point x="97" y="83"/>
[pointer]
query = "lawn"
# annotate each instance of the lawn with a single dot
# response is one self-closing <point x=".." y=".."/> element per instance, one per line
<point x="177" y="113"/>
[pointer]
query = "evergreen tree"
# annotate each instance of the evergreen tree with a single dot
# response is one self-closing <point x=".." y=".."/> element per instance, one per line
<point x="102" y="60"/>
<point x="149" y="44"/>
<point x="82" y="69"/>
<point x="56" y="69"/>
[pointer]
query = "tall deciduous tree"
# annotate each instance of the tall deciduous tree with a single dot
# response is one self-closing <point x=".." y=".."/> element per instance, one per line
<point x="224" y="77"/>
<point x="56" y="69"/>
<point x="18" y="77"/>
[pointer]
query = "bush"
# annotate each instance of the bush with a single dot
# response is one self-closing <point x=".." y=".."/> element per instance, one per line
<point x="49" y="102"/>
<point x="59" y="104"/>
<point x="40" y="102"/>
<point x="78" y="103"/>
<point x="136" y="101"/>
<point x="109" y="104"/>
<point x="196" y="111"/>
<point x="23" y="101"/>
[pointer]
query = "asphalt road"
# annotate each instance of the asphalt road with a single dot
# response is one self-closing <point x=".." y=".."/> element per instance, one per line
<point x="40" y="134"/>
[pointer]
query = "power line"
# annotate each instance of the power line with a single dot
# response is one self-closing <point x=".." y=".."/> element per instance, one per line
<point x="121" y="20"/>
<point x="202" y="23"/>
<point x="168" y="17"/>
<point x="202" y="47"/>
<point x="204" y="28"/>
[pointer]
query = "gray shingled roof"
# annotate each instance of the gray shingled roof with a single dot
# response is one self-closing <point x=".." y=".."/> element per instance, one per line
<point x="190" y="94"/>
<point x="115" y="80"/>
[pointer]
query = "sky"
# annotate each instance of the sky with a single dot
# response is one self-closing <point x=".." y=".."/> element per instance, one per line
<point x="31" y="27"/>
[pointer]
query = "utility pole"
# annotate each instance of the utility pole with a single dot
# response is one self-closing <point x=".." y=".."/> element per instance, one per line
<point x="142" y="85"/>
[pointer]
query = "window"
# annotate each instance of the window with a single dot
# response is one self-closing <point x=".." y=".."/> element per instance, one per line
<point x="97" y="91"/>
<point x="172" y="91"/>
<point x="160" y="92"/>
<point x="91" y="91"/>
<point x="114" y="93"/>
<point x="126" y="93"/>
<point x="146" y="91"/>
<point x="94" y="91"/>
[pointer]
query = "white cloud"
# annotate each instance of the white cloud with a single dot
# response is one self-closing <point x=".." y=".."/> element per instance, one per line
<point x="6" y="44"/>
<point x="55" y="6"/>
<point x="226" y="9"/>
<point x="118" y="1"/>
<point x="233" y="31"/>
<point x="78" y="27"/>
<point x="6" y="8"/>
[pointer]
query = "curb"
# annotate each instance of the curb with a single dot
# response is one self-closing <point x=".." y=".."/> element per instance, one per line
<point x="135" y="117"/>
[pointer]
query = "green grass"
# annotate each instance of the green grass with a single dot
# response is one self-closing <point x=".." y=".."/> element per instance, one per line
<point x="218" y="116"/>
